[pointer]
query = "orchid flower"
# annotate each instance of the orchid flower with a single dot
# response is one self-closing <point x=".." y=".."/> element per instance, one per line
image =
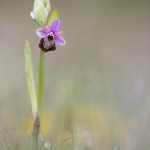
<point x="50" y="35"/>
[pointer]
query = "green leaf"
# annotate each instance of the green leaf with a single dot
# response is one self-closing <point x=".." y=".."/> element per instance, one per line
<point x="53" y="16"/>
<point x="35" y="134"/>
<point x="30" y="78"/>
<point x="47" y="4"/>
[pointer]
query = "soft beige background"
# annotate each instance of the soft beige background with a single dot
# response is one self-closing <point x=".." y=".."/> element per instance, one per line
<point x="104" y="69"/>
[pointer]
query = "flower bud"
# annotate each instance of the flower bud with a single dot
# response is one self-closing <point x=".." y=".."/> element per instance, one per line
<point x="40" y="12"/>
<point x="47" y="5"/>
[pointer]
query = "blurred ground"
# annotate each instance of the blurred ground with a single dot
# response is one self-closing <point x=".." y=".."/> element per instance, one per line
<point x="97" y="84"/>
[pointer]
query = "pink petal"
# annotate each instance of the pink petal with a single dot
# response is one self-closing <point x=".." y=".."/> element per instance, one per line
<point x="55" y="25"/>
<point x="59" y="33"/>
<point x="42" y="32"/>
<point x="59" y="40"/>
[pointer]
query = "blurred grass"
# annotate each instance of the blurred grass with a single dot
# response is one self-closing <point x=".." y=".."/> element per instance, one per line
<point x="97" y="84"/>
<point x="108" y="126"/>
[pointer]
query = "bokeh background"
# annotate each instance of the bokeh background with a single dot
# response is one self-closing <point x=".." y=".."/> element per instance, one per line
<point x="97" y="85"/>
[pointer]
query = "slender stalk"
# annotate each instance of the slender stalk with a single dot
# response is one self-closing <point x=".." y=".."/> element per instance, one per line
<point x="40" y="86"/>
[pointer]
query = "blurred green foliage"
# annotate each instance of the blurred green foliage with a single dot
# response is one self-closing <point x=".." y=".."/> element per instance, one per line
<point x="98" y="84"/>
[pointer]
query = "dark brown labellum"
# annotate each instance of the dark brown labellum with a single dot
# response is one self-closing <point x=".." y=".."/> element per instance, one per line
<point x="47" y="44"/>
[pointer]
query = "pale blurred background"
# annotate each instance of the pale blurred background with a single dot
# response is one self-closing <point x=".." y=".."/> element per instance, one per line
<point x="98" y="84"/>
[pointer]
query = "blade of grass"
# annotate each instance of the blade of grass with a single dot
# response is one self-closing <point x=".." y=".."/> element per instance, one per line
<point x="30" y="78"/>
<point x="1" y="103"/>
<point x="63" y="142"/>
<point x="45" y="145"/>
<point x="17" y="147"/>
<point x="116" y="148"/>
<point x="27" y="138"/>
<point x="72" y="140"/>
<point x="67" y="146"/>
<point x="3" y="139"/>
<point x="51" y="143"/>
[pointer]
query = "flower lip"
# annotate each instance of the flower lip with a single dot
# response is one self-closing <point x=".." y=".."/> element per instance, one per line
<point x="44" y="47"/>
<point x="47" y="44"/>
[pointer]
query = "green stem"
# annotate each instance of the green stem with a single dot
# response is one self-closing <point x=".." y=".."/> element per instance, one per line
<point x="40" y="86"/>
